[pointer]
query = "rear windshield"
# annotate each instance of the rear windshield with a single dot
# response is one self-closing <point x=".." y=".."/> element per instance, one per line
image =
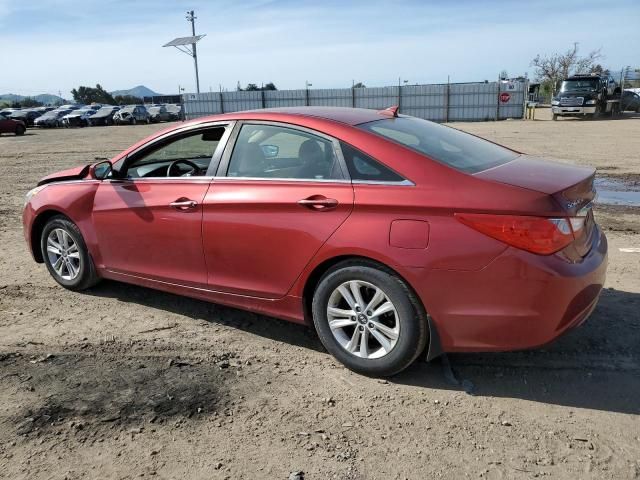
<point x="446" y="145"/>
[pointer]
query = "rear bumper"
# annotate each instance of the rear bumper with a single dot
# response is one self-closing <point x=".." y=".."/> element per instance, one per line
<point x="569" y="111"/>
<point x="519" y="301"/>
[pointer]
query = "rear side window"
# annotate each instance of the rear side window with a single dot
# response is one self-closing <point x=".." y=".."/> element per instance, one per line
<point x="447" y="145"/>
<point x="363" y="167"/>
<point x="269" y="151"/>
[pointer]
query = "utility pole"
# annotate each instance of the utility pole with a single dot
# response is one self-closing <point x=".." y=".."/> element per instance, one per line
<point x="192" y="18"/>
<point x="183" y="43"/>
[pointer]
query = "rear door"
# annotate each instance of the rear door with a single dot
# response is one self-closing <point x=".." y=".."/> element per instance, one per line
<point x="280" y="193"/>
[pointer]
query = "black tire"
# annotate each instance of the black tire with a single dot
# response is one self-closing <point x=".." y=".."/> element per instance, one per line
<point x="86" y="276"/>
<point x="20" y="130"/>
<point x="554" y="117"/>
<point x="133" y="121"/>
<point x="413" y="331"/>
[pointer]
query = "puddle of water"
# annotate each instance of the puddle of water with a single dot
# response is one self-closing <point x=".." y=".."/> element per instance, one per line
<point x="616" y="192"/>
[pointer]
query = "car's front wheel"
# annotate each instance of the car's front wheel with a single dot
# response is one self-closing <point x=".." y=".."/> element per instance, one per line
<point x="369" y="319"/>
<point x="66" y="255"/>
<point x="20" y="130"/>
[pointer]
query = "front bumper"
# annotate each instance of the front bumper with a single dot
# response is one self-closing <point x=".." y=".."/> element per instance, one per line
<point x="571" y="111"/>
<point x="518" y="301"/>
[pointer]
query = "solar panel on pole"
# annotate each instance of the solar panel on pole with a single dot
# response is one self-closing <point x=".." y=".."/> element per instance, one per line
<point x="182" y="44"/>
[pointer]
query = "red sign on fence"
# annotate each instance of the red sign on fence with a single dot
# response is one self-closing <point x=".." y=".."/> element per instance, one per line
<point x="505" y="97"/>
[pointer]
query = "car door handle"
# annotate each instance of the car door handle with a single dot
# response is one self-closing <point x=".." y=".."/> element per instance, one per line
<point x="183" y="204"/>
<point x="318" y="202"/>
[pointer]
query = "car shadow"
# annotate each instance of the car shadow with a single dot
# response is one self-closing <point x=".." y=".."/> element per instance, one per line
<point x="627" y="115"/>
<point x="267" y="327"/>
<point x="596" y="366"/>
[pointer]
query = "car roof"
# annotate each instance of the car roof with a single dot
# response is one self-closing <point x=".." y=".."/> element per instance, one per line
<point x="350" y="116"/>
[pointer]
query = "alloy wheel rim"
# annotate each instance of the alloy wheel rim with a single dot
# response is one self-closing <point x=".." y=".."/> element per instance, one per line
<point x="363" y="319"/>
<point x="63" y="254"/>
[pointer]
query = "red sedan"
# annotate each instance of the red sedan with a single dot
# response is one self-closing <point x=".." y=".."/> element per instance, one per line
<point x="389" y="234"/>
<point x="9" y="125"/>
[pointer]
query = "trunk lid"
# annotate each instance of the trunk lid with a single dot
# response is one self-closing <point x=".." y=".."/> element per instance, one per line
<point x="570" y="186"/>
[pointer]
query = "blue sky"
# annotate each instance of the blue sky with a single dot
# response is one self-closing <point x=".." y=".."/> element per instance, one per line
<point x="55" y="45"/>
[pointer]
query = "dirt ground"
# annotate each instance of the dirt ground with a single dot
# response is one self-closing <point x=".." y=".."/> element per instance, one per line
<point x="125" y="382"/>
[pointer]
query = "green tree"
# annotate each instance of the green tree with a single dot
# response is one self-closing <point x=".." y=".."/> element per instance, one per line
<point x="88" y="95"/>
<point x="253" y="87"/>
<point x="127" y="100"/>
<point x="359" y="85"/>
<point x="30" y="103"/>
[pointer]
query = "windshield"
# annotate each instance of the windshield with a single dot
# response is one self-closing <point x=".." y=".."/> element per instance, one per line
<point x="447" y="145"/>
<point x="588" y="84"/>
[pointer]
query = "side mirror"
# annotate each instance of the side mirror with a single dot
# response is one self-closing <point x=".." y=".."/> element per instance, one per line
<point x="101" y="170"/>
<point x="270" y="151"/>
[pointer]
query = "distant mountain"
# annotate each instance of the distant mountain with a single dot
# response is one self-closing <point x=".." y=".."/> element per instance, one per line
<point x="45" y="98"/>
<point x="49" y="99"/>
<point x="140" y="91"/>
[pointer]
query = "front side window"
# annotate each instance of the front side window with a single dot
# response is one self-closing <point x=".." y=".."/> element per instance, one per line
<point x="446" y="145"/>
<point x="187" y="156"/>
<point x="267" y="151"/>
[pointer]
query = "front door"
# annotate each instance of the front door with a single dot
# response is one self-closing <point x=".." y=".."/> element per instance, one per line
<point x="283" y="194"/>
<point x="148" y="219"/>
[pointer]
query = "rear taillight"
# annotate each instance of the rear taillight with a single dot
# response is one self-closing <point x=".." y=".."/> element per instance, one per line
<point x="540" y="235"/>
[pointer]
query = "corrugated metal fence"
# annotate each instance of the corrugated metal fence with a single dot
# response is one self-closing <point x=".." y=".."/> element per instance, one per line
<point x="440" y="102"/>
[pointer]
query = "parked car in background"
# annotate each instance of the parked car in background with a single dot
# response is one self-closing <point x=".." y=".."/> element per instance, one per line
<point x="10" y="125"/>
<point x="78" y="118"/>
<point x="131" y="114"/>
<point x="71" y="106"/>
<point x="390" y="234"/>
<point x="26" y="115"/>
<point x="175" y="112"/>
<point x="43" y="110"/>
<point x="630" y="101"/>
<point x="104" y="116"/>
<point x="158" y="113"/>
<point x="51" y="119"/>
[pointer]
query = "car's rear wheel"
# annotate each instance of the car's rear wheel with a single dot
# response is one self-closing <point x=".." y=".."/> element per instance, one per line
<point x="66" y="255"/>
<point x="368" y="319"/>
<point x="20" y="130"/>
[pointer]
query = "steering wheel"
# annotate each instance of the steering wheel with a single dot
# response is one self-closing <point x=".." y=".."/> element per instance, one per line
<point x="173" y="171"/>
